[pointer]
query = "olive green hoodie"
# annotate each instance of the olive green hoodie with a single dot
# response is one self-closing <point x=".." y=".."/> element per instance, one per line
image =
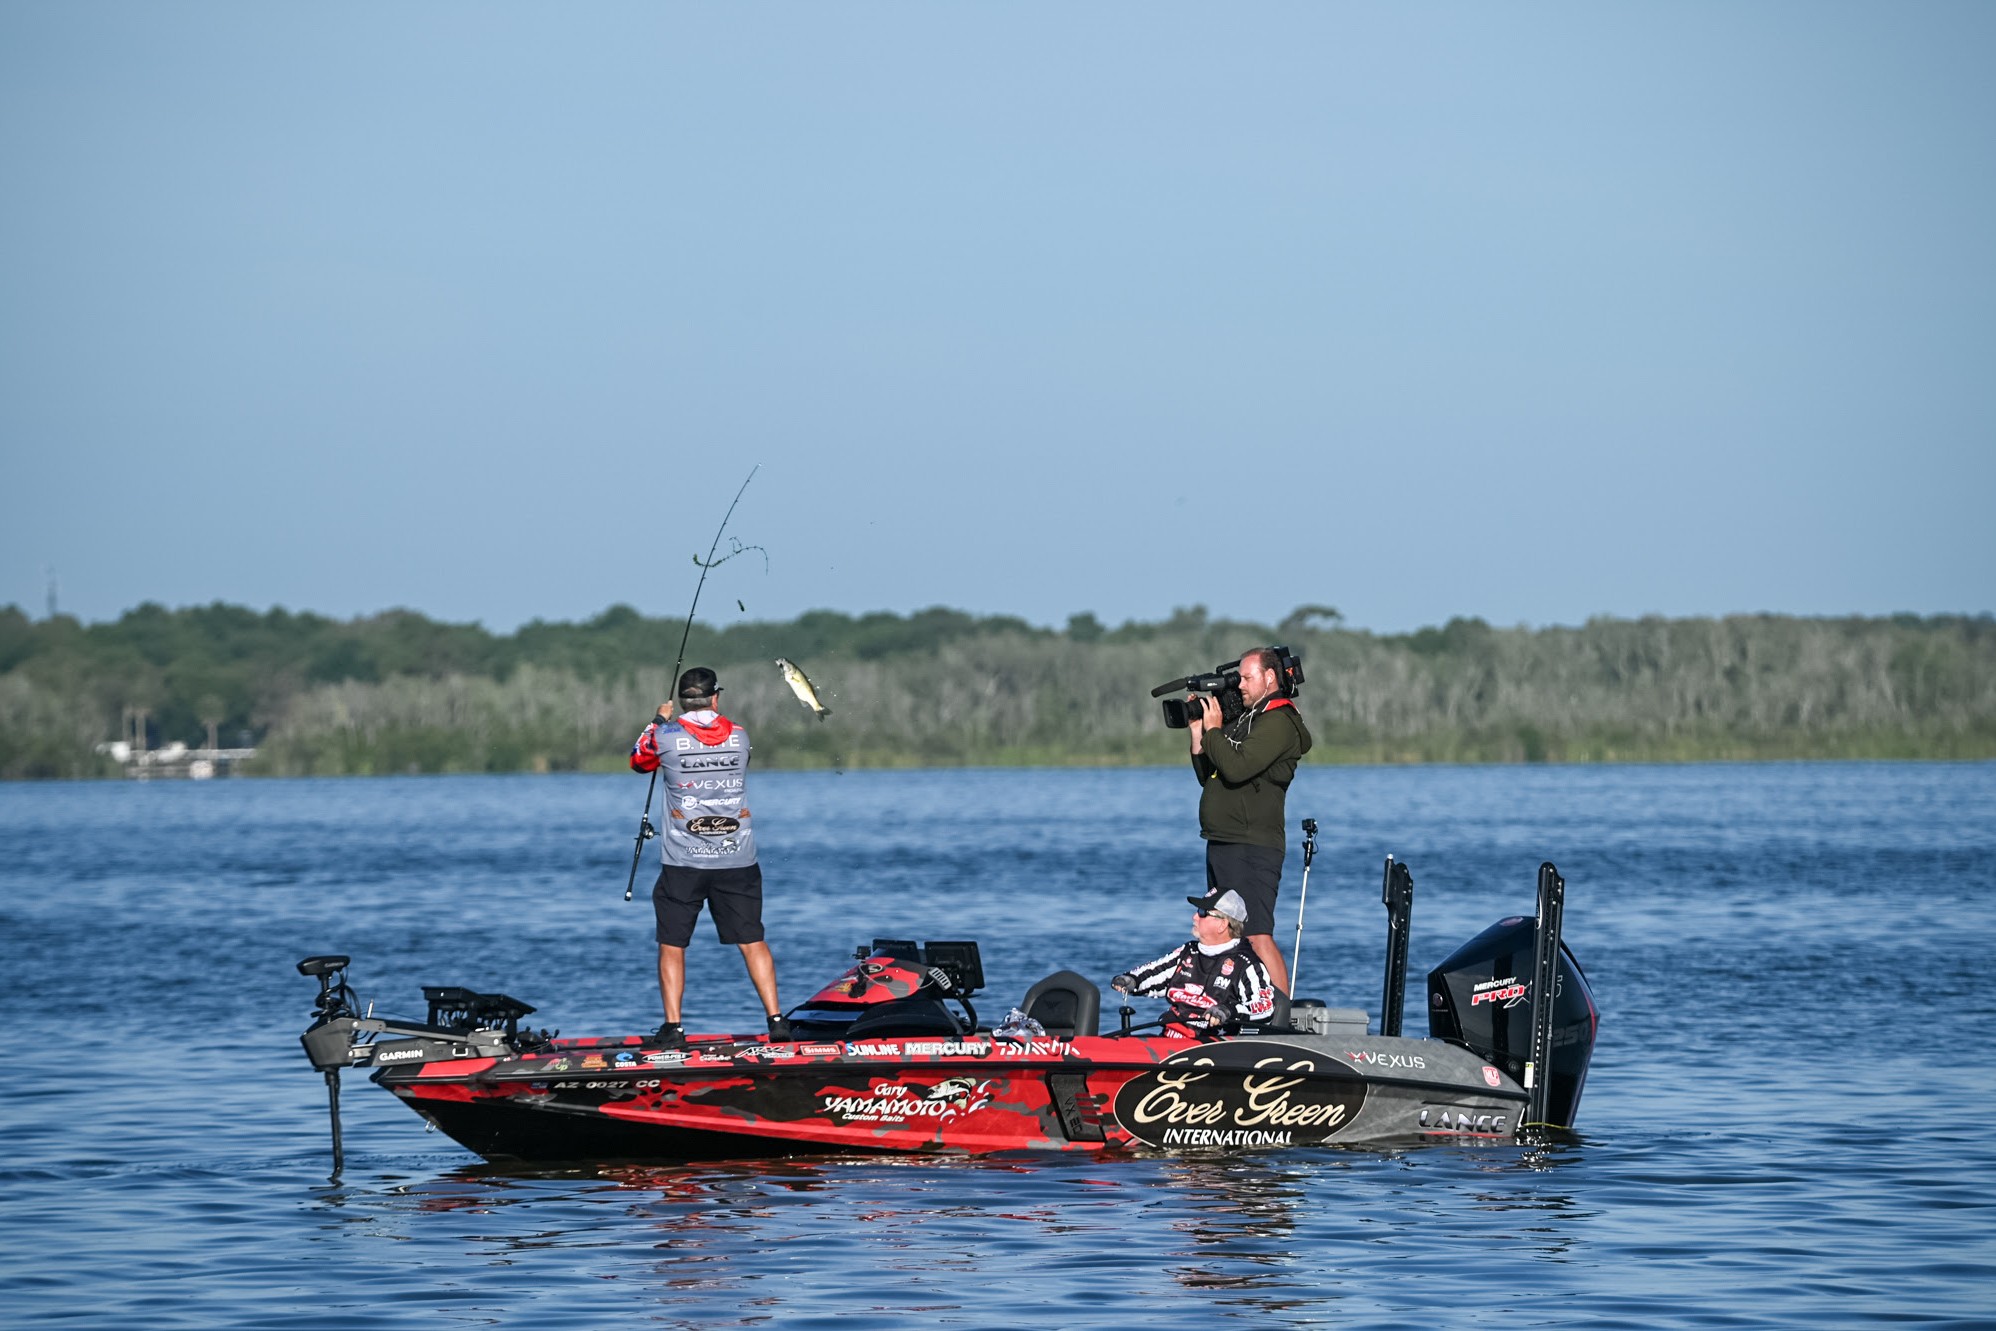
<point x="1245" y="771"/>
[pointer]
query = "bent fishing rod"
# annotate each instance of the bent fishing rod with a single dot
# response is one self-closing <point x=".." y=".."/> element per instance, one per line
<point x="645" y="829"/>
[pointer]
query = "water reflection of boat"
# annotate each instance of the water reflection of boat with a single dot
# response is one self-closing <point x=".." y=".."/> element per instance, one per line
<point x="890" y="1057"/>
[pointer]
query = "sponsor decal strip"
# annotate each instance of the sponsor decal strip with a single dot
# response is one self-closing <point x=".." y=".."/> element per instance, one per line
<point x="1240" y="1093"/>
<point x="1223" y="1137"/>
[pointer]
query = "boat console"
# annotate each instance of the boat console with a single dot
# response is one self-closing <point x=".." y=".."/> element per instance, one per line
<point x="896" y="987"/>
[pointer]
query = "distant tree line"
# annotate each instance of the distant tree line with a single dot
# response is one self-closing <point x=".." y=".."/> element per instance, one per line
<point x="399" y="692"/>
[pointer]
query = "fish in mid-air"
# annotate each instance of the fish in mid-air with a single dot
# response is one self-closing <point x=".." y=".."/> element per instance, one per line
<point x="800" y="684"/>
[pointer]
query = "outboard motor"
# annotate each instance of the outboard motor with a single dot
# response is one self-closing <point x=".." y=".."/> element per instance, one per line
<point x="1484" y="999"/>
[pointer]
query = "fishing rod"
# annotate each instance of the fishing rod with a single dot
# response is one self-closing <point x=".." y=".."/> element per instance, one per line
<point x="645" y="829"/>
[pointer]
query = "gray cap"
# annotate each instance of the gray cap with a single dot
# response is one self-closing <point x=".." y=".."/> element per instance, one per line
<point x="1226" y="903"/>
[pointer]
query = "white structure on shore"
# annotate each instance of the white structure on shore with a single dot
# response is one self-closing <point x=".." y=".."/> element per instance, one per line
<point x="173" y="760"/>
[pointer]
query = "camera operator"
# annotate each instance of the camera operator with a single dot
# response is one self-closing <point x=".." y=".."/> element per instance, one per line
<point x="1244" y="772"/>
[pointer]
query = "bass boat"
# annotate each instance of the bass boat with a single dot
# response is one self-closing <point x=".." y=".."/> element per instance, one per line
<point x="891" y="1057"/>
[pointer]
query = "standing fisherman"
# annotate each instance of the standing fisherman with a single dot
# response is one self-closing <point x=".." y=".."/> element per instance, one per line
<point x="707" y="847"/>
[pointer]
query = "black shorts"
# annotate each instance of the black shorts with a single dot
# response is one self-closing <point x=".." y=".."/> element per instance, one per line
<point x="1253" y="871"/>
<point x="732" y="896"/>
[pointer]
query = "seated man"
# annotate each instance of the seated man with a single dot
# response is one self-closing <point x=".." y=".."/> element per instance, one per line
<point x="1213" y="981"/>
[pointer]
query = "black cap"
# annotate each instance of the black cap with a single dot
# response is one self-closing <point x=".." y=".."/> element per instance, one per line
<point x="699" y="682"/>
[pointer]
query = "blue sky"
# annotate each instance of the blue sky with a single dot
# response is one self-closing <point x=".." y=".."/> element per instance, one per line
<point x="1533" y="312"/>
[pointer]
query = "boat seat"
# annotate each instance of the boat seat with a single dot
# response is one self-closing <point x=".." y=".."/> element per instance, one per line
<point x="1278" y="1020"/>
<point x="1065" y="1004"/>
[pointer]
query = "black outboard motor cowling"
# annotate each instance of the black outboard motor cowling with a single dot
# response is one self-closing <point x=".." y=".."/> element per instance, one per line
<point x="1481" y="998"/>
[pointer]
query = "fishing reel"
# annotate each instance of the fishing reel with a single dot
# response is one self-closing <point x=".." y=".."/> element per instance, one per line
<point x="645" y="833"/>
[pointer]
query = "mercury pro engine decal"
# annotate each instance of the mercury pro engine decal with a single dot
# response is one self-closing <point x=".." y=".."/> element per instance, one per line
<point x="1241" y="1093"/>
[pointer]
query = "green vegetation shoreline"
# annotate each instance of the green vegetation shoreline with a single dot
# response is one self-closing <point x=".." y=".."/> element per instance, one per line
<point x="398" y="692"/>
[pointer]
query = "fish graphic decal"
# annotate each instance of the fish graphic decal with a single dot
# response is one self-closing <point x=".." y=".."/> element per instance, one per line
<point x="963" y="1094"/>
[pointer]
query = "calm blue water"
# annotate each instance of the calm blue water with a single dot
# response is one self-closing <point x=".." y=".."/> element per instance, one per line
<point x="1787" y="1122"/>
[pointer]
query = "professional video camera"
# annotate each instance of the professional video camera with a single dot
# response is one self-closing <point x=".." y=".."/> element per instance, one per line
<point x="1224" y="683"/>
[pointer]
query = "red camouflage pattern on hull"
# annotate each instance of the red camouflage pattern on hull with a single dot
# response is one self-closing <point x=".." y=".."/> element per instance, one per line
<point x="726" y="1098"/>
<point x="973" y="1094"/>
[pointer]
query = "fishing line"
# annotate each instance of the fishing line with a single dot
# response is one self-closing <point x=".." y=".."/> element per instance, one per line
<point x="645" y="829"/>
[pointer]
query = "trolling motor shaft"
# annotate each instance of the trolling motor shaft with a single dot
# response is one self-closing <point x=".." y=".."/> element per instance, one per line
<point x="330" y="1038"/>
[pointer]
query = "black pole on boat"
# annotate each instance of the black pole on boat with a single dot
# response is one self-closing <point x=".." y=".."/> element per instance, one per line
<point x="645" y="829"/>
<point x="1303" y="898"/>
<point x="1396" y="892"/>
<point x="1545" y="971"/>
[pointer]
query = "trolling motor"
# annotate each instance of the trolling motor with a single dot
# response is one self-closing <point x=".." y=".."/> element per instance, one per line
<point x="460" y="1024"/>
<point x="328" y="1041"/>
